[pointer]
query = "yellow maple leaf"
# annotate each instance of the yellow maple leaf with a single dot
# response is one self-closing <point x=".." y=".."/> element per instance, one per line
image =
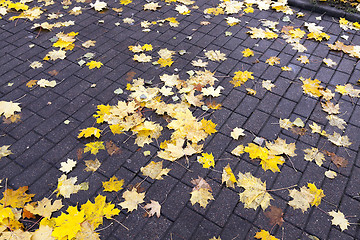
<point x="113" y="185"/>
<point x="208" y="126"/>
<point x="305" y="197"/>
<point x="132" y="199"/>
<point x="165" y="62"/>
<point x="16" y="198"/>
<point x="18" y="6"/>
<point x="147" y="47"/>
<point x="207" y="160"/>
<point x="303" y="59"/>
<point x="62" y="44"/>
<point x="296" y="33"/>
<point x="339" y="219"/>
<point x="68" y="225"/>
<point x="125" y="2"/>
<point x="215" y="55"/>
<point x="142" y="58"/>
<point x="312" y="87"/>
<point x="271" y="163"/>
<point x="314" y="154"/>
<point x="146" y="131"/>
<point x="238" y="150"/>
<point x="228" y="177"/>
<point x="264" y="235"/>
<point x="201" y="196"/>
<point x="248" y="10"/>
<point x="154" y="170"/>
<point x="4" y="151"/>
<point x="95" y="212"/>
<point x="273" y="60"/>
<point x="247" y="52"/>
<point x="256" y="151"/>
<point x="90" y="131"/>
<point x="341" y="89"/>
<point x="94" y="64"/>
<point x="255" y="193"/>
<point x="94" y="147"/>
<point x="317" y="193"/>
<point x="66" y="186"/>
<point x="250" y="91"/>
<point x="102" y="111"/>
<point x="241" y="77"/>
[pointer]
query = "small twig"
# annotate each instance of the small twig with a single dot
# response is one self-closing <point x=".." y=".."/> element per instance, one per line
<point x="278" y="189"/>
<point x="20" y="98"/>
<point x="120" y="223"/>
<point x="101" y="229"/>
<point x="292" y="164"/>
<point x="183" y="166"/>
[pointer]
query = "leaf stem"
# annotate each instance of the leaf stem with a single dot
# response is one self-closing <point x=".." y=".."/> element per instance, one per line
<point x="278" y="189"/>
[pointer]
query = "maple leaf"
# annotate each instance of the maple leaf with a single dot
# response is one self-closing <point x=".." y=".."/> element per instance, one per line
<point x="125" y="2"/>
<point x="94" y="64"/>
<point x="182" y="9"/>
<point x="208" y="126"/>
<point x="92" y="165"/>
<point x="4" y="151"/>
<point x="215" y="55"/>
<point x="199" y="63"/>
<point x="275" y="216"/>
<point x="237" y="132"/>
<point x="280" y="147"/>
<point x="305" y="197"/>
<point x="338" y="140"/>
<point x="87" y="232"/>
<point x="271" y="163"/>
<point x="329" y="62"/>
<point x="247" y="52"/>
<point x="66" y="187"/>
<point x="211" y="91"/>
<point x="268" y="85"/>
<point x="18" y="6"/>
<point x="165" y="53"/>
<point x="256" y="151"/>
<point x="113" y="185"/>
<point x="339" y="219"/>
<point x="228" y="177"/>
<point x="88" y="43"/>
<point x="312" y="87"/>
<point x="67" y="166"/>
<point x="94" y="147"/>
<point x="98" y="5"/>
<point x="36" y="64"/>
<point x="215" y="238"/>
<point x="55" y="54"/>
<point x="155" y="170"/>
<point x="31" y="83"/>
<point x="95" y="212"/>
<point x="165" y="62"/>
<point x="338" y="161"/>
<point x="330" y="107"/>
<point x="330" y="174"/>
<point x="250" y="91"/>
<point x="43" y="232"/>
<point x="260" y="33"/>
<point x="241" y="77"/>
<point x="132" y="199"/>
<point x="154" y="207"/>
<point x="146" y="131"/>
<point x="286" y="68"/>
<point x="264" y="235"/>
<point x="151" y="6"/>
<point x="68" y="225"/>
<point x="18" y="234"/>
<point x="75" y="11"/>
<point x="238" y="150"/>
<point x="111" y="148"/>
<point x="201" y="196"/>
<point x="273" y="60"/>
<point x="285" y="123"/>
<point x="44" y="207"/>
<point x="207" y="160"/>
<point x="9" y="108"/>
<point x="296" y="33"/>
<point x="255" y="193"/>
<point x="142" y="58"/>
<point x="314" y="154"/>
<point x="303" y="59"/>
<point x="90" y="131"/>
<point x="16" y="198"/>
<point x="232" y="22"/>
<point x="46" y="83"/>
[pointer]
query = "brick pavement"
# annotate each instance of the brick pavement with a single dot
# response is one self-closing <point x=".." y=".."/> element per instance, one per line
<point x="41" y="140"/>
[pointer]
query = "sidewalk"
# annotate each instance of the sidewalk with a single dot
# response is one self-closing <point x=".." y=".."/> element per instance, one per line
<point x="51" y="118"/>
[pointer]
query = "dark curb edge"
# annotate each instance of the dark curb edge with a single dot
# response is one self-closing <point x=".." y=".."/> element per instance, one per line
<point x="322" y="8"/>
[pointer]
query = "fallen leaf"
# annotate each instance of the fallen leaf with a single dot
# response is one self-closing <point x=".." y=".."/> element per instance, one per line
<point x="94" y="147"/>
<point x="154" y="170"/>
<point x="9" y="108"/>
<point x="314" y="154"/>
<point x="16" y="198"/>
<point x="46" y="83"/>
<point x="113" y="185"/>
<point x="337" y="160"/>
<point x="330" y="174"/>
<point x="268" y="85"/>
<point x="303" y="59"/>
<point x="154" y="207"/>
<point x="67" y="166"/>
<point x="207" y="160"/>
<point x="111" y="148"/>
<point x="236" y="133"/>
<point x="339" y="219"/>
<point x="330" y="107"/>
<point x="228" y="177"/>
<point x="98" y="5"/>
<point x="265" y="235"/>
<point x="44" y="207"/>
<point x="92" y="165"/>
<point x="273" y="60"/>
<point x="36" y="64"/>
<point x="132" y="199"/>
<point x="88" y="43"/>
<point x="275" y="216"/>
<point x="4" y="151"/>
<point x="201" y="196"/>
<point x="215" y="55"/>
<point x="94" y="64"/>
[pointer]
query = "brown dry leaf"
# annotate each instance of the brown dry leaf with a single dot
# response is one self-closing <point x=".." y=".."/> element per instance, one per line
<point x="330" y="107"/>
<point x="337" y="160"/>
<point x="200" y="183"/>
<point x="298" y="131"/>
<point x="53" y="72"/>
<point x="111" y="148"/>
<point x="79" y="153"/>
<point x="286" y="29"/>
<point x="130" y="75"/>
<point x="12" y="119"/>
<point x="275" y="216"/>
<point x="92" y="165"/>
<point x="31" y="83"/>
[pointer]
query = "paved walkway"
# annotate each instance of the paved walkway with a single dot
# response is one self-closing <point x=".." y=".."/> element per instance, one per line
<point x="41" y="140"/>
